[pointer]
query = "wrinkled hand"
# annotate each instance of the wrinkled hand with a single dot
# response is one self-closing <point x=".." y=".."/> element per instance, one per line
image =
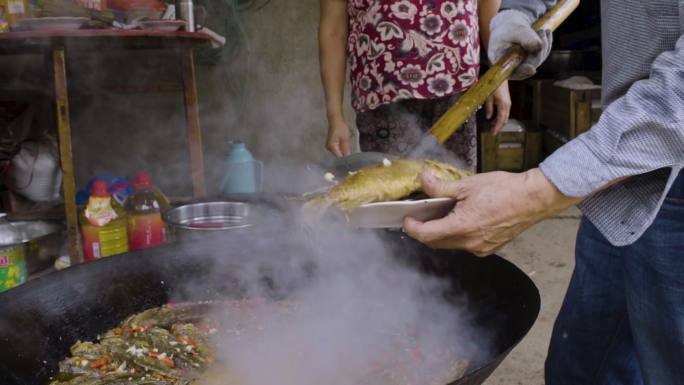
<point x="514" y="27"/>
<point x="339" y="135"/>
<point x="491" y="209"/>
<point x="501" y="100"/>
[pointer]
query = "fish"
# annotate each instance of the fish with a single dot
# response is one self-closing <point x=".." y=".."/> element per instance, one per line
<point x="389" y="181"/>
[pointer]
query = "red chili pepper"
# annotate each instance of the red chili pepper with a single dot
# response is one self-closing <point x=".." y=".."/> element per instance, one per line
<point x="168" y="362"/>
<point x="417" y="355"/>
<point x="101" y="362"/>
<point x="376" y="368"/>
<point x="187" y="340"/>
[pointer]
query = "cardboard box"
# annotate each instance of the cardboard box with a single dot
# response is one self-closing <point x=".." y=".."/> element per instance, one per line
<point x="510" y="151"/>
<point x="566" y="111"/>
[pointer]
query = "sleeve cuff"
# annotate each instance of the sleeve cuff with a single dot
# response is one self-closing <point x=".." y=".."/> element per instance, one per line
<point x="532" y="9"/>
<point x="575" y="169"/>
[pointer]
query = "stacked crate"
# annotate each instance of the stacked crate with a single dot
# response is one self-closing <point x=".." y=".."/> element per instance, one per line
<point x="564" y="113"/>
<point x="509" y="151"/>
<point x="553" y="115"/>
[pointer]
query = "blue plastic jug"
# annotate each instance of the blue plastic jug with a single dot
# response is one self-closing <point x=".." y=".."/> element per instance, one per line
<point x="243" y="173"/>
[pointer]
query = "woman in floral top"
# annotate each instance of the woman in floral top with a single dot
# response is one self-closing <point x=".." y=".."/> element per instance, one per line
<point x="409" y="61"/>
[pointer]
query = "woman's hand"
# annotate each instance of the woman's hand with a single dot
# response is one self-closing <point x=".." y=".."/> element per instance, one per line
<point x="501" y="99"/>
<point x="332" y="43"/>
<point x="338" y="138"/>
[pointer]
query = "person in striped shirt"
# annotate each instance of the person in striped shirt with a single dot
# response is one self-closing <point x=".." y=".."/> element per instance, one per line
<point x="622" y="320"/>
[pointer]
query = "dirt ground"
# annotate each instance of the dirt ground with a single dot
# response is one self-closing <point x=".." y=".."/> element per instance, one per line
<point x="545" y="252"/>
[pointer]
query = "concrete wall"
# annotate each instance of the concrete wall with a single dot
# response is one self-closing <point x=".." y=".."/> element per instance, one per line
<point x="282" y="114"/>
<point x="269" y="96"/>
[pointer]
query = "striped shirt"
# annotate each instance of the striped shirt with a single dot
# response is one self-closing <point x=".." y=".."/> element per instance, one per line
<point x="641" y="132"/>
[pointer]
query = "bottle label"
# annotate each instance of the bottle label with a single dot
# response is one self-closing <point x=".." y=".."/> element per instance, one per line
<point x="16" y="7"/>
<point x="99" y="211"/>
<point x="101" y="242"/>
<point x="12" y="268"/>
<point x="146" y="230"/>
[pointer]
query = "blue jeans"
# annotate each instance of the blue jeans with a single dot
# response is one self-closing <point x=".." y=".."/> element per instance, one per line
<point x="622" y="320"/>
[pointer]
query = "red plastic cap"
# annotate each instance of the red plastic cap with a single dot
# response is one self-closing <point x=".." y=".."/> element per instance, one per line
<point x="142" y="181"/>
<point x="99" y="189"/>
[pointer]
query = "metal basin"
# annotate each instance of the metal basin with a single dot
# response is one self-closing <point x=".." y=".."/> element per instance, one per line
<point x="43" y="242"/>
<point x="201" y="219"/>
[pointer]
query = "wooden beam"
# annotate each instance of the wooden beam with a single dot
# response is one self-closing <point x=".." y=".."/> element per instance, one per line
<point x="192" y="124"/>
<point x="66" y="158"/>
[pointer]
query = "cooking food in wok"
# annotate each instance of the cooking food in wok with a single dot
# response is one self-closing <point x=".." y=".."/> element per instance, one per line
<point x="46" y="317"/>
<point x="173" y="345"/>
<point x="161" y="346"/>
<point x="390" y="181"/>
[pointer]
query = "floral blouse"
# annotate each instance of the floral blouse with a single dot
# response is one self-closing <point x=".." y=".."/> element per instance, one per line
<point x="411" y="49"/>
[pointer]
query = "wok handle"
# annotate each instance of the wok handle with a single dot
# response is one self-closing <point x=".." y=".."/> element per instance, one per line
<point x="454" y="118"/>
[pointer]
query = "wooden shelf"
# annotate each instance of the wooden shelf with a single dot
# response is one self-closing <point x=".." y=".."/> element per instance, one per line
<point x="98" y="39"/>
<point x="55" y="46"/>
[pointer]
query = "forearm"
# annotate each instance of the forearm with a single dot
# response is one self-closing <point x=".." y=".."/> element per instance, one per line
<point x="638" y="133"/>
<point x="333" y="32"/>
<point x="486" y="10"/>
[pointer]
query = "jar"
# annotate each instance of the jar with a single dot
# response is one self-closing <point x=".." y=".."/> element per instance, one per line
<point x="12" y="259"/>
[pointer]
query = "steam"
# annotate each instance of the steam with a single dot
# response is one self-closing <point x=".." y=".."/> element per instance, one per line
<point x="405" y="127"/>
<point x="341" y="309"/>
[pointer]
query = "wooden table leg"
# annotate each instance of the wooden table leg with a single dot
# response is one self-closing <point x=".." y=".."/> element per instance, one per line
<point x="64" y="132"/>
<point x="192" y="124"/>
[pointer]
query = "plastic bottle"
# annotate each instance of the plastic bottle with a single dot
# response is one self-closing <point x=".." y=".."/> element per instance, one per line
<point x="14" y="10"/>
<point x="144" y="207"/>
<point x="12" y="258"/>
<point x="103" y="224"/>
<point x="4" y="24"/>
<point x="243" y="173"/>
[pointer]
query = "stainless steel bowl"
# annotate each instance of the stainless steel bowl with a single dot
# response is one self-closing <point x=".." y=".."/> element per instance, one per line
<point x="43" y="242"/>
<point x="206" y="218"/>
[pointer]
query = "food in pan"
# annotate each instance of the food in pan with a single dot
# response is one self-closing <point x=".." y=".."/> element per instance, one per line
<point x="385" y="182"/>
<point x="175" y="345"/>
<point x="168" y="345"/>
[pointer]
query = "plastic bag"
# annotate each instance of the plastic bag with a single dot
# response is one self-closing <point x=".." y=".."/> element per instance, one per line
<point x="35" y="171"/>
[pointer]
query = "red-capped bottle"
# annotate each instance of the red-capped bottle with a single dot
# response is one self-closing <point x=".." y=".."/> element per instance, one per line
<point x="146" y="228"/>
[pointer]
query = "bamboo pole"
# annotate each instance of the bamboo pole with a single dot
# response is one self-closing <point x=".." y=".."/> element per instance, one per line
<point x="454" y="118"/>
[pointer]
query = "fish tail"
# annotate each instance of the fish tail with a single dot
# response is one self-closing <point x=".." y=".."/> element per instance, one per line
<point x="316" y="207"/>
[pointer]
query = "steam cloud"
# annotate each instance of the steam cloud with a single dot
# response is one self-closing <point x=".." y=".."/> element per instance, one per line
<point x="352" y="314"/>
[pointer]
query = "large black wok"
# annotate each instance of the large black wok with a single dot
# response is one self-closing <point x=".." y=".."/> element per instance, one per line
<point x="40" y="320"/>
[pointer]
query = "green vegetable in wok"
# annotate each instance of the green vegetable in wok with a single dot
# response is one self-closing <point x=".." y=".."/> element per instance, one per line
<point x="160" y="346"/>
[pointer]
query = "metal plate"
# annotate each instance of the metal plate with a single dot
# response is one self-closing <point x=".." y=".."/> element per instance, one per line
<point x="391" y="214"/>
